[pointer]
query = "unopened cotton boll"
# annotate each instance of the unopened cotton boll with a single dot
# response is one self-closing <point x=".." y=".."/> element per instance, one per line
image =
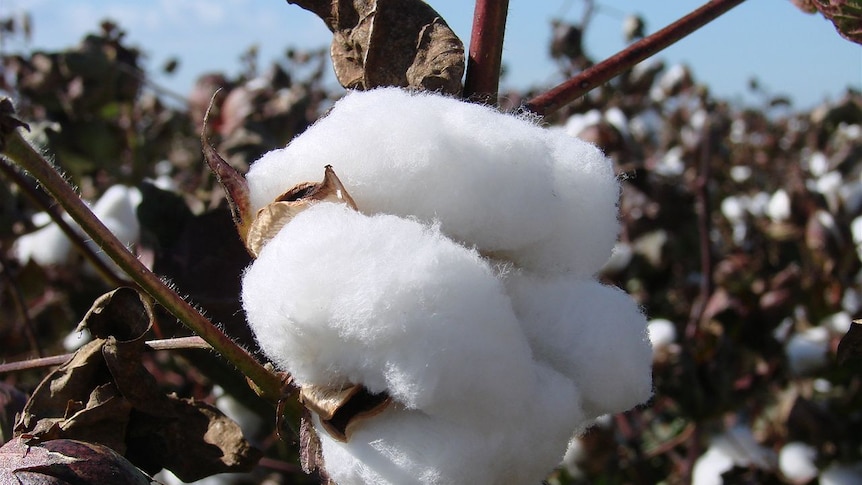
<point x="497" y="182"/>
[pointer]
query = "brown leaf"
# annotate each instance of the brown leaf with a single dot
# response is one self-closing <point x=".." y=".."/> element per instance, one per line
<point x="850" y="346"/>
<point x="310" y="451"/>
<point x="123" y="313"/>
<point x="12" y="402"/>
<point x="234" y="184"/>
<point x="61" y="462"/>
<point x="391" y="43"/>
<point x="105" y="395"/>
<point x="198" y="442"/>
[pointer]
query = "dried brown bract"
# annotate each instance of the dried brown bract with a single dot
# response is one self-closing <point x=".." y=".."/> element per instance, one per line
<point x="391" y="43"/>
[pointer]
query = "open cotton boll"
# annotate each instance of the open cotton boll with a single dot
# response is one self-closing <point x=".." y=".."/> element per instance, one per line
<point x="710" y="466"/>
<point x="796" y="461"/>
<point x="46" y="246"/>
<point x="403" y="447"/>
<point x="494" y="181"/>
<point x="592" y="333"/>
<point x="338" y="297"/>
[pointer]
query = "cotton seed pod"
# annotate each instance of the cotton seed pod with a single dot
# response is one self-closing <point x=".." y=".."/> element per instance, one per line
<point x="271" y="218"/>
<point x="340" y="409"/>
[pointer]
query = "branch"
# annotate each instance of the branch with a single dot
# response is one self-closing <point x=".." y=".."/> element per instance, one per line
<point x="16" y="148"/>
<point x="486" y="51"/>
<point x="590" y="78"/>
<point x="74" y="236"/>
<point x="165" y="344"/>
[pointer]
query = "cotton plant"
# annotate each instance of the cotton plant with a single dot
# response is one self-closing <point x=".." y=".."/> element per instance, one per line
<point x="441" y="278"/>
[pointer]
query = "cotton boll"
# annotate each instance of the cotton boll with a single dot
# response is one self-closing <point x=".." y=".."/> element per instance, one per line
<point x="796" y="461"/>
<point x="592" y="333"/>
<point x="734" y="208"/>
<point x="710" y="466"/>
<point x="837" y="323"/>
<point x="494" y="181"/>
<point x="46" y="246"/>
<point x="806" y="351"/>
<point x="779" y="206"/>
<point x="740" y="173"/>
<point x="338" y="297"/>
<point x="401" y="446"/>
<point x="841" y="474"/>
<point x="661" y="332"/>
<point x="116" y="208"/>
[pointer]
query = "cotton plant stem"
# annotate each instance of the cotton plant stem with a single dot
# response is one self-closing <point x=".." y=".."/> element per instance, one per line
<point x="180" y="343"/>
<point x="592" y="77"/>
<point x="486" y="51"/>
<point x="17" y="149"/>
<point x="27" y="188"/>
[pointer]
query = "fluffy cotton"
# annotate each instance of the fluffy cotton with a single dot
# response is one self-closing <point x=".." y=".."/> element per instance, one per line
<point x="497" y="182"/>
<point x="115" y="208"/>
<point x="796" y="461"/>
<point x="606" y="353"/>
<point x="462" y="287"/>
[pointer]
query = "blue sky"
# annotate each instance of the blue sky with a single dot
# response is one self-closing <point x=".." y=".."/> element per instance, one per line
<point x="789" y="52"/>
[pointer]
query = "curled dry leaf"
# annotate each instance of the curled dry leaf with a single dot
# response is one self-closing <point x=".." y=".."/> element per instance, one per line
<point x="105" y="395"/>
<point x="25" y="461"/>
<point x="234" y="184"/>
<point x="273" y="217"/>
<point x="401" y="43"/>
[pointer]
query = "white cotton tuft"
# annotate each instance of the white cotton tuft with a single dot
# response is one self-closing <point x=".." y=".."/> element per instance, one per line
<point x="338" y="297"/>
<point x="710" y="466"/>
<point x="494" y="181"/>
<point x="842" y="474"/>
<point x="46" y="246"/>
<point x="404" y="447"/>
<point x="592" y="333"/>
<point x="796" y="461"/>
<point x="662" y="333"/>
<point x="779" y="206"/>
<point x="806" y="351"/>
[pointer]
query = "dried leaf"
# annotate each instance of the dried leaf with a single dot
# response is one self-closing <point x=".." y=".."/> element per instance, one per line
<point x="123" y="313"/>
<point x="850" y="346"/>
<point x="198" y="442"/>
<point x="234" y="184"/>
<point x="105" y="395"/>
<point x="276" y="215"/>
<point x="61" y="462"/>
<point x="391" y="43"/>
<point x="310" y="451"/>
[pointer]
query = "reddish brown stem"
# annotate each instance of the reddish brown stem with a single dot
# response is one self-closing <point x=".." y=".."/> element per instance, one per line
<point x="193" y="342"/>
<point x="590" y="78"/>
<point x="486" y="51"/>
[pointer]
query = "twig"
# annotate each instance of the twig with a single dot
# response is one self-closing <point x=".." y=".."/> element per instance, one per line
<point x="27" y="187"/>
<point x="590" y="78"/>
<point x="486" y="51"/>
<point x="16" y="148"/>
<point x="165" y="344"/>
<point x="704" y="227"/>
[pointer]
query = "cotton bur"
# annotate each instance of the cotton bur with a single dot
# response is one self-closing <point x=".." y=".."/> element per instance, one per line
<point x="450" y="276"/>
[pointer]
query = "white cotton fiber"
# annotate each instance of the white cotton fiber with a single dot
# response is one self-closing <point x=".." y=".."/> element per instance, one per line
<point x="45" y="246"/>
<point x="341" y="297"/>
<point x="494" y="181"/>
<point x="462" y="288"/>
<point x="592" y="333"/>
<point x="403" y="447"/>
